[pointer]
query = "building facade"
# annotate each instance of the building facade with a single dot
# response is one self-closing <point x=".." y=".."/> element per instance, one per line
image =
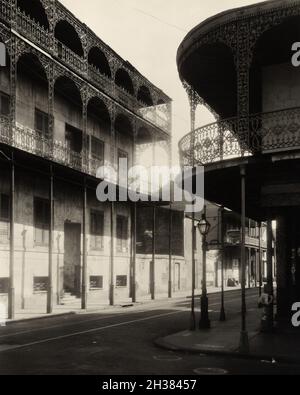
<point x="69" y="105"/>
<point x="239" y="65"/>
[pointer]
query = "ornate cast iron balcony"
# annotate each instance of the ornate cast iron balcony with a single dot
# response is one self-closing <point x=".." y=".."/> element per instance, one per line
<point x="67" y="56"/>
<point x="31" y="141"/>
<point x="29" y="28"/>
<point x="40" y="36"/>
<point x="232" y="138"/>
<point x="4" y="11"/>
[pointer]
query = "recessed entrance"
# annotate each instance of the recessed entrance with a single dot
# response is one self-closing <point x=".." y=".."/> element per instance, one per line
<point x="72" y="258"/>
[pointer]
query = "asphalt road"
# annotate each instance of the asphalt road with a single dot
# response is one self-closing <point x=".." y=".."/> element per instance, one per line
<point x="119" y="342"/>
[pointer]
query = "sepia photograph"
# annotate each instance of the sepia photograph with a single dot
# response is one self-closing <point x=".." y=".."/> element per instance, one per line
<point x="149" y="191"/>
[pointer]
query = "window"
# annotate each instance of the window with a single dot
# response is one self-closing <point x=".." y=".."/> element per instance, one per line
<point x="41" y="122"/>
<point x="121" y="155"/>
<point x="121" y="281"/>
<point x="4" y="284"/>
<point x="195" y="237"/>
<point x="122" y="233"/>
<point x="4" y="217"/>
<point x="40" y="284"/>
<point x="97" y="230"/>
<point x="73" y="139"/>
<point x="41" y="221"/>
<point x="97" y="149"/>
<point x="4" y="104"/>
<point x="96" y="282"/>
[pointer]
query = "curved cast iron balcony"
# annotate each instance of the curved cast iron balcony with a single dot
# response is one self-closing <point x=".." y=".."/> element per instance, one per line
<point x="232" y="138"/>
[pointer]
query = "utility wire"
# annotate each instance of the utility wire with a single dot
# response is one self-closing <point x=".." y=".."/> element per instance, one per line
<point x="157" y="18"/>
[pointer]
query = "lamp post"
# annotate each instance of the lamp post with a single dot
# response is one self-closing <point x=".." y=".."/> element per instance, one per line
<point x="222" y="312"/>
<point x="204" y="227"/>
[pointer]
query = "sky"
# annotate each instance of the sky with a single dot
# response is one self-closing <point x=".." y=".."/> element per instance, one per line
<point x="148" y="33"/>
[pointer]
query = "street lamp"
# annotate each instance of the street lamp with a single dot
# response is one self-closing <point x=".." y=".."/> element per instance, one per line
<point x="204" y="227"/>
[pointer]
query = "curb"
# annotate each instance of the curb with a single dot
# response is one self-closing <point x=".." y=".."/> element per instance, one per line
<point x="162" y="343"/>
<point x="46" y="317"/>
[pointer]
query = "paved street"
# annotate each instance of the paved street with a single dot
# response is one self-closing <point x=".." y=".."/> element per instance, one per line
<point x="120" y="342"/>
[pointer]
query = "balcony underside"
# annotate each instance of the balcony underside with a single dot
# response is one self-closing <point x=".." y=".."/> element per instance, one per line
<point x="272" y="184"/>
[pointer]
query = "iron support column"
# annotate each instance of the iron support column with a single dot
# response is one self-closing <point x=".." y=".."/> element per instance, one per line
<point x="50" y="259"/>
<point x="244" y="340"/>
<point x="11" y="296"/>
<point x="84" y="252"/>
<point x="170" y="252"/>
<point x="112" y="254"/>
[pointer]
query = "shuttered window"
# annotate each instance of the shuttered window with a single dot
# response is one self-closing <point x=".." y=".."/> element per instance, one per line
<point x="122" y="233"/>
<point x="4" y="218"/>
<point x="4" y="104"/>
<point x="97" y="149"/>
<point x="96" y="230"/>
<point x="41" y="122"/>
<point x="41" y="221"/>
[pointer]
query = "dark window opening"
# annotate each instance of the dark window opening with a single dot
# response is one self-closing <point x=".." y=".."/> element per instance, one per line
<point x="73" y="139"/>
<point x="144" y="96"/>
<point x="97" y="149"/>
<point x="4" y="217"/>
<point x="121" y="281"/>
<point x="124" y="81"/>
<point x="35" y="10"/>
<point x="122" y="233"/>
<point x="96" y="282"/>
<point x="4" y="104"/>
<point x="40" y="284"/>
<point x="67" y="35"/>
<point x="41" y="221"/>
<point x="41" y="123"/>
<point x="122" y="155"/>
<point x="98" y="59"/>
<point x="4" y="285"/>
<point x="96" y="230"/>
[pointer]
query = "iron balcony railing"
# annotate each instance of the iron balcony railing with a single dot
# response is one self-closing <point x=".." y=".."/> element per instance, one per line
<point x="40" y="36"/>
<point x="4" y="11"/>
<point x="32" y="29"/>
<point x="69" y="57"/>
<point x="234" y="138"/>
<point x="35" y="143"/>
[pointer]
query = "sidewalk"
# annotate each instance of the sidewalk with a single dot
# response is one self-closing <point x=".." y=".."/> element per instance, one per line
<point x="61" y="310"/>
<point x="223" y="339"/>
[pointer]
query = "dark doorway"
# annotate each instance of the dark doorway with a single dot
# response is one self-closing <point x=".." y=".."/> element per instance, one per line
<point x="72" y="259"/>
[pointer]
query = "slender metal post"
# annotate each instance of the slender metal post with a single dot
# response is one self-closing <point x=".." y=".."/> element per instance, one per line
<point x="249" y="267"/>
<point x="222" y="312"/>
<point x="204" y="318"/>
<point x="84" y="254"/>
<point x="259" y="259"/>
<point x="112" y="255"/>
<point x="133" y="268"/>
<point x="170" y="252"/>
<point x="11" y="296"/>
<point x="153" y="253"/>
<point x="50" y="264"/>
<point x="244" y="340"/>
<point x="193" y="106"/>
<point x="269" y="325"/>
<point x="193" y="315"/>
